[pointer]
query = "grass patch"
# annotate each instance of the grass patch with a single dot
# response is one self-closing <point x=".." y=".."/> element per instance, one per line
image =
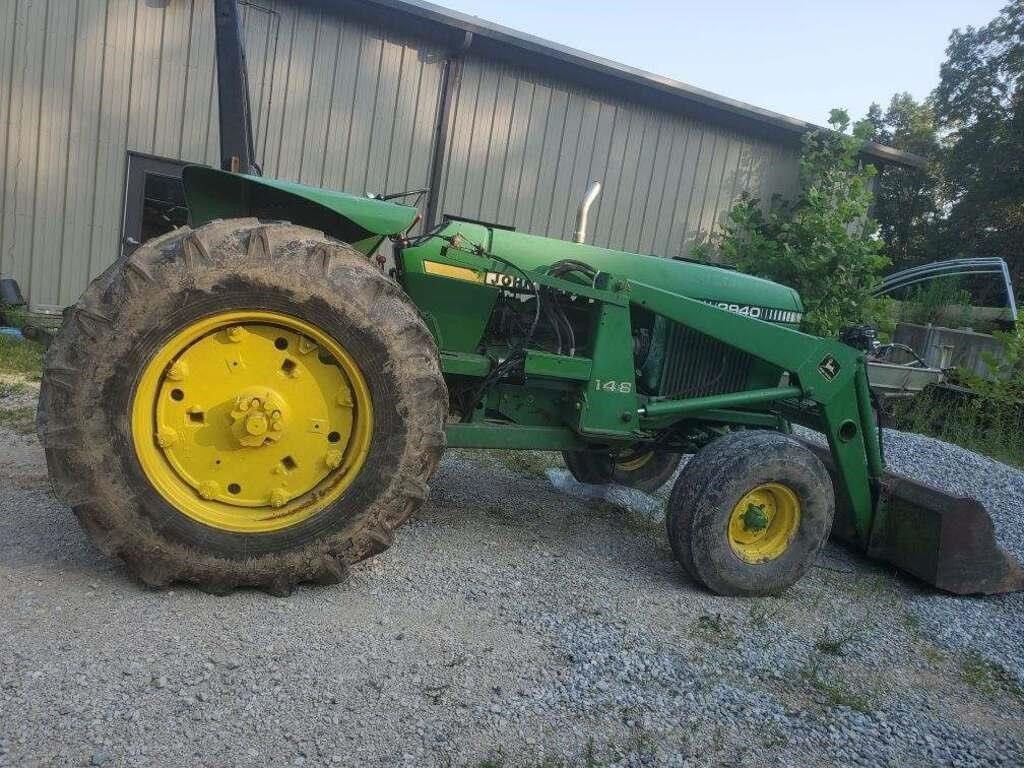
<point x="987" y="426"/>
<point x="989" y="678"/>
<point x="715" y="629"/>
<point x="527" y="462"/>
<point x="912" y="622"/>
<point x="764" y="611"/>
<point x="834" y="646"/>
<point x="20" y="420"/>
<point x="13" y="388"/>
<point x="835" y="692"/>
<point x="20" y="356"/>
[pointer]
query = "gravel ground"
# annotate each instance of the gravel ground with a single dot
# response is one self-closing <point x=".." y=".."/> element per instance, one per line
<point x="514" y="623"/>
<point x="987" y="631"/>
<point x="990" y="629"/>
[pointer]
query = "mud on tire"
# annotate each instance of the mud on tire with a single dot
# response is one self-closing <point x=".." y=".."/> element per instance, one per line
<point x="93" y="366"/>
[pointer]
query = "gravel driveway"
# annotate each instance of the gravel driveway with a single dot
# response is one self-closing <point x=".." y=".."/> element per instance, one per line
<point x="512" y="624"/>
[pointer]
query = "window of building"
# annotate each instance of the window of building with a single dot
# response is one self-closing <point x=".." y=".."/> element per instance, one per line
<point x="154" y="199"/>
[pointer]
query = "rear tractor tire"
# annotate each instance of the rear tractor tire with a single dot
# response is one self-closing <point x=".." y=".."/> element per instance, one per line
<point x="749" y="513"/>
<point x="244" y="404"/>
<point x="644" y="470"/>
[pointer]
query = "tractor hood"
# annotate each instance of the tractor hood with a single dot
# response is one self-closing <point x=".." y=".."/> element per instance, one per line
<point x="215" y="194"/>
<point x="695" y="280"/>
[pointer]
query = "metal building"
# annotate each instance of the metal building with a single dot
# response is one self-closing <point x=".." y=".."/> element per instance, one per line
<point x="102" y="101"/>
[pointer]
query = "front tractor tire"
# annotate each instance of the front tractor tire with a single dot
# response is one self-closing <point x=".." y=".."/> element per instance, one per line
<point x="749" y="513"/>
<point x="243" y="404"/>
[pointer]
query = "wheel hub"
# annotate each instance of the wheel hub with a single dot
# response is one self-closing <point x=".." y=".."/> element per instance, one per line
<point x="755" y="519"/>
<point x="251" y="422"/>
<point x="764" y="522"/>
<point x="259" y="417"/>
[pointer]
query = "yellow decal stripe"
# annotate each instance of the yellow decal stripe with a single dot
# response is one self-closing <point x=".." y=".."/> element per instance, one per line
<point x="449" y="270"/>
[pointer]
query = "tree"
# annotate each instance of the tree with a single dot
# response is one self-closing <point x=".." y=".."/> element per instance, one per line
<point x="824" y="244"/>
<point x="979" y="104"/>
<point x="907" y="199"/>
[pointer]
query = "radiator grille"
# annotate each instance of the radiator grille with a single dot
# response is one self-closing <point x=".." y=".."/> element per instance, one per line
<point x="697" y="365"/>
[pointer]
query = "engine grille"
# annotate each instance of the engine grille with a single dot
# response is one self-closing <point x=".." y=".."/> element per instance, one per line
<point x="697" y="365"/>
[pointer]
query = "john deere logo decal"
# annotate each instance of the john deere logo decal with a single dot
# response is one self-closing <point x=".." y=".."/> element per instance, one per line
<point x="829" y="368"/>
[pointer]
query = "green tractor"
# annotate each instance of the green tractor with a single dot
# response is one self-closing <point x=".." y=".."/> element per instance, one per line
<point x="254" y="400"/>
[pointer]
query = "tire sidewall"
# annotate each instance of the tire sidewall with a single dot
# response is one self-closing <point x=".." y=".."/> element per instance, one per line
<point x="764" y="459"/>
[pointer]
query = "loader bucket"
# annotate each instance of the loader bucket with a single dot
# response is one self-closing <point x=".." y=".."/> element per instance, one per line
<point x="945" y="540"/>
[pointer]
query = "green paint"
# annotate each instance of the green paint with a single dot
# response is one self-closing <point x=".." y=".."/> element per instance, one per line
<point x="595" y="397"/>
<point x="755" y="518"/>
<point x="503" y="436"/>
<point x="730" y="400"/>
<point x="214" y="194"/>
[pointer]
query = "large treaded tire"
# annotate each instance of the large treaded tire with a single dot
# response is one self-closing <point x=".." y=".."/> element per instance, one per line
<point x="92" y="368"/>
<point x="710" y="485"/>
<point x="598" y="468"/>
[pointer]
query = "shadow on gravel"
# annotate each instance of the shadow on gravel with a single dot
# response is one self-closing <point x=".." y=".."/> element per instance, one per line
<point x="41" y="536"/>
<point x="480" y="498"/>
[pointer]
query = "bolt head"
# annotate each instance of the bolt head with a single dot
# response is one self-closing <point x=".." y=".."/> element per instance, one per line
<point x="236" y="333"/>
<point x="256" y="424"/>
<point x="333" y="459"/>
<point x="278" y="497"/>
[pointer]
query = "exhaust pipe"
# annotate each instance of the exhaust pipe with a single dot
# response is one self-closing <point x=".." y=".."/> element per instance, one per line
<point x="580" y="235"/>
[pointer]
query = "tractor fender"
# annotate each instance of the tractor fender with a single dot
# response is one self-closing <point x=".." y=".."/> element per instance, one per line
<point x="362" y="222"/>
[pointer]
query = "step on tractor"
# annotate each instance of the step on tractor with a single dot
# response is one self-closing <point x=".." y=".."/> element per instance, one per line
<point x="254" y="400"/>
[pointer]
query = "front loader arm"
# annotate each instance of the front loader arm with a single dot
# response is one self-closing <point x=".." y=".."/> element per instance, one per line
<point x="827" y="373"/>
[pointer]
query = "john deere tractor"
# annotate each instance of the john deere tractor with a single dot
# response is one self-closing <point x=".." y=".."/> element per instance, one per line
<point x="256" y="400"/>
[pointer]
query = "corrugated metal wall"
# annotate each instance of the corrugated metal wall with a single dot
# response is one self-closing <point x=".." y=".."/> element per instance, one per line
<point x="524" y="149"/>
<point x="338" y="104"/>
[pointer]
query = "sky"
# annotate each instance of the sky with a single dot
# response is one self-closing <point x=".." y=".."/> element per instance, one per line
<point x="800" y="58"/>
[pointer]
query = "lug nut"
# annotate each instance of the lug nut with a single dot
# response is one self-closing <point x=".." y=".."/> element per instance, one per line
<point x="209" y="489"/>
<point x="166" y="437"/>
<point x="178" y="370"/>
<point x="278" y="497"/>
<point x="236" y="333"/>
<point x="333" y="459"/>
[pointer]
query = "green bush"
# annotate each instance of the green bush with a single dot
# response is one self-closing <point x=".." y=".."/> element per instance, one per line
<point x="1004" y="379"/>
<point x="824" y="244"/>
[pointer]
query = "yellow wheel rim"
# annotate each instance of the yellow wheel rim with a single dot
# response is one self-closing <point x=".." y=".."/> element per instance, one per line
<point x="764" y="522"/>
<point x="630" y="462"/>
<point x="251" y="421"/>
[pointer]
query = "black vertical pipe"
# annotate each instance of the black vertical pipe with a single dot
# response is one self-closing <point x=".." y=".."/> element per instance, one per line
<point x="450" y="79"/>
<point x="236" y="139"/>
